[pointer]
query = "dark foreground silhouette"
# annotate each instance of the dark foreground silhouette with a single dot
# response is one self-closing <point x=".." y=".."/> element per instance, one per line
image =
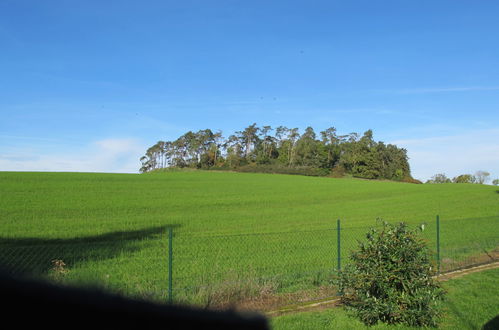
<point x="28" y="302"/>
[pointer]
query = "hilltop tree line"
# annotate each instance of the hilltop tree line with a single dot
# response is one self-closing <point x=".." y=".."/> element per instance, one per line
<point x="480" y="177"/>
<point x="282" y="150"/>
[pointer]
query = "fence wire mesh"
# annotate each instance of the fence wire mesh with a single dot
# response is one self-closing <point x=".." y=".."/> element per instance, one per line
<point x="220" y="270"/>
<point x="256" y="270"/>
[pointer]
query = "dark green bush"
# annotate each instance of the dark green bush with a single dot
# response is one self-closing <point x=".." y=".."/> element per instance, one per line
<point x="390" y="279"/>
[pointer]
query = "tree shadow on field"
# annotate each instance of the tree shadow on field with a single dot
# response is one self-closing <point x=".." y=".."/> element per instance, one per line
<point x="38" y="256"/>
<point x="492" y="324"/>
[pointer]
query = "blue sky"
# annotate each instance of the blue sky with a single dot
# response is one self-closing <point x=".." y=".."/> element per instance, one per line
<point x="89" y="85"/>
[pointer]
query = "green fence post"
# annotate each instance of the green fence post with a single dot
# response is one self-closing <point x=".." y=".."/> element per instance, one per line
<point x="170" y="265"/>
<point x="339" y="244"/>
<point x="438" y="244"/>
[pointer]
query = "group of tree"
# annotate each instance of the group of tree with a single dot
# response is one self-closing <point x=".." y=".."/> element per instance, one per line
<point x="479" y="177"/>
<point x="282" y="150"/>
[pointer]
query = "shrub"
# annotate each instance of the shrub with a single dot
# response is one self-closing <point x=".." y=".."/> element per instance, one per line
<point x="409" y="179"/>
<point x="390" y="279"/>
<point x="338" y="171"/>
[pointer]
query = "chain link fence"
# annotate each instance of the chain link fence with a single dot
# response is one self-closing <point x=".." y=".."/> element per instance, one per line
<point x="255" y="271"/>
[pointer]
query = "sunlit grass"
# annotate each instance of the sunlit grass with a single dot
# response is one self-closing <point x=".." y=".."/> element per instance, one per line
<point x="111" y="228"/>
<point x="471" y="302"/>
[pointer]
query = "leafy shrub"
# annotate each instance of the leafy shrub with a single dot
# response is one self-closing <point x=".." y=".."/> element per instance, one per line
<point x="409" y="179"/>
<point x="338" y="171"/>
<point x="390" y="279"/>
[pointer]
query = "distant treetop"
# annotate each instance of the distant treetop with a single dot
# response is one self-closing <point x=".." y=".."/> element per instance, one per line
<point x="480" y="177"/>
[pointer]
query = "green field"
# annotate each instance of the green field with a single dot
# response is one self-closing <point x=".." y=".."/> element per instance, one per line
<point x="471" y="302"/>
<point x="277" y="232"/>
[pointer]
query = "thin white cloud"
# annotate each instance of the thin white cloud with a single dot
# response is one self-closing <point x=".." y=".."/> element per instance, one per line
<point x="108" y="155"/>
<point x="454" y="155"/>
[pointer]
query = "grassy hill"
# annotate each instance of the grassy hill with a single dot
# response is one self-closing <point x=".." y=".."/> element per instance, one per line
<point x="75" y="204"/>
<point x="110" y="227"/>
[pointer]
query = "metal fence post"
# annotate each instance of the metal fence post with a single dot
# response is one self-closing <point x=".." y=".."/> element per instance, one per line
<point x="438" y="244"/>
<point x="170" y="265"/>
<point x="339" y="244"/>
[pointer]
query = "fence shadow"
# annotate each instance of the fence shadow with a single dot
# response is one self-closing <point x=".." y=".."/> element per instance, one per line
<point x="35" y="256"/>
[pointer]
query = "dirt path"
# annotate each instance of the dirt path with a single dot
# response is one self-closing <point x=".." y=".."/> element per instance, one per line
<point x="313" y="306"/>
<point x="466" y="271"/>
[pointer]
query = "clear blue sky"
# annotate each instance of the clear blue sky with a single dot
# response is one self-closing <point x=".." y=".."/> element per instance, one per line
<point x="89" y="85"/>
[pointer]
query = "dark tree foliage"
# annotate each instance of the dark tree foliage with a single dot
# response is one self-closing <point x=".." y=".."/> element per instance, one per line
<point x="390" y="279"/>
<point x="282" y="150"/>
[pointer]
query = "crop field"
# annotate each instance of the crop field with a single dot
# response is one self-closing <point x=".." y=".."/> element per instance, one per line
<point x="235" y="235"/>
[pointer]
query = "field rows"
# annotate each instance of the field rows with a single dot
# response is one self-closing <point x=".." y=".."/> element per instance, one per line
<point x="232" y="231"/>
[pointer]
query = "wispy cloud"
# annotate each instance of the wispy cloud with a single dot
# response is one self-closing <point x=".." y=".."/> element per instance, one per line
<point x="108" y="155"/>
<point x="454" y="154"/>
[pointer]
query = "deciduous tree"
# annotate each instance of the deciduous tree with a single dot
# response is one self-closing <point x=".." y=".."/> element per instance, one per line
<point x="482" y="177"/>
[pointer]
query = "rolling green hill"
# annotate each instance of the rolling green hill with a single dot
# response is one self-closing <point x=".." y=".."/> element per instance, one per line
<point x="202" y="202"/>
<point x="109" y="228"/>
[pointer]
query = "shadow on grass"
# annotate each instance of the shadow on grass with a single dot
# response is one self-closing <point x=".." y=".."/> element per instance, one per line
<point x="492" y="324"/>
<point x="35" y="256"/>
